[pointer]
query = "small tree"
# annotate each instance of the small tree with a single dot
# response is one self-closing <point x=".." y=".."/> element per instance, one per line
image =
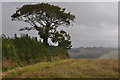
<point x="44" y="18"/>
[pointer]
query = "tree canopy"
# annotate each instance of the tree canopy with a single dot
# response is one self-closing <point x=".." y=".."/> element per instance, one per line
<point x="45" y="18"/>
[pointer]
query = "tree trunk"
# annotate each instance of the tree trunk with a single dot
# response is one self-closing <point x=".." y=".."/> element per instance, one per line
<point x="45" y="39"/>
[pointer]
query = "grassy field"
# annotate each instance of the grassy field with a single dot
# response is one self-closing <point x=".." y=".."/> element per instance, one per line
<point x="93" y="53"/>
<point x="69" y="68"/>
<point x="111" y="54"/>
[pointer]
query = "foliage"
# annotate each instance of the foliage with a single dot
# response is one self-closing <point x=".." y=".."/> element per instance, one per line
<point x="63" y="39"/>
<point x="45" y="18"/>
<point x="27" y="50"/>
<point x="8" y="48"/>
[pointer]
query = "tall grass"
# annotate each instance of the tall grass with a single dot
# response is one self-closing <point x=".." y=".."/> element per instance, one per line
<point x="28" y="50"/>
<point x="73" y="68"/>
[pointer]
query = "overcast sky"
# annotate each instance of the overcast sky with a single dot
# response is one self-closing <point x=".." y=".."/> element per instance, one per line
<point x="96" y="23"/>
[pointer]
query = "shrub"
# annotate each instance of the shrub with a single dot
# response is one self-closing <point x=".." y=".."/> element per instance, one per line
<point x="28" y="50"/>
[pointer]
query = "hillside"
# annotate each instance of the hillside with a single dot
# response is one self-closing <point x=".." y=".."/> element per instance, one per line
<point x="110" y="55"/>
<point x="69" y="68"/>
<point x="93" y="53"/>
<point x="26" y="50"/>
<point x="26" y="57"/>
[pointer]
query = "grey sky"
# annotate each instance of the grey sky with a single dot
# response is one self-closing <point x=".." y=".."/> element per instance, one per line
<point x="96" y="23"/>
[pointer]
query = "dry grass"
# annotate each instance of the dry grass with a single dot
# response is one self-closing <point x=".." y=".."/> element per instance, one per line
<point x="7" y="63"/>
<point x="73" y="68"/>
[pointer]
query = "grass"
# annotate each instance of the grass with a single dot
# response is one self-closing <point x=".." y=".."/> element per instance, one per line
<point x="84" y="50"/>
<point x="111" y="54"/>
<point x="69" y="68"/>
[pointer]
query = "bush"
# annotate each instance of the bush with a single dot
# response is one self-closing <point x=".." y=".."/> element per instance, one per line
<point x="26" y="50"/>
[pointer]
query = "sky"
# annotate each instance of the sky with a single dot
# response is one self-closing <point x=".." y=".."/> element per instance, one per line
<point x="96" y="23"/>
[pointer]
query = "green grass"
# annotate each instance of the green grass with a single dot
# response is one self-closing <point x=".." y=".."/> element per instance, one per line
<point x="84" y="50"/>
<point x="69" y="68"/>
